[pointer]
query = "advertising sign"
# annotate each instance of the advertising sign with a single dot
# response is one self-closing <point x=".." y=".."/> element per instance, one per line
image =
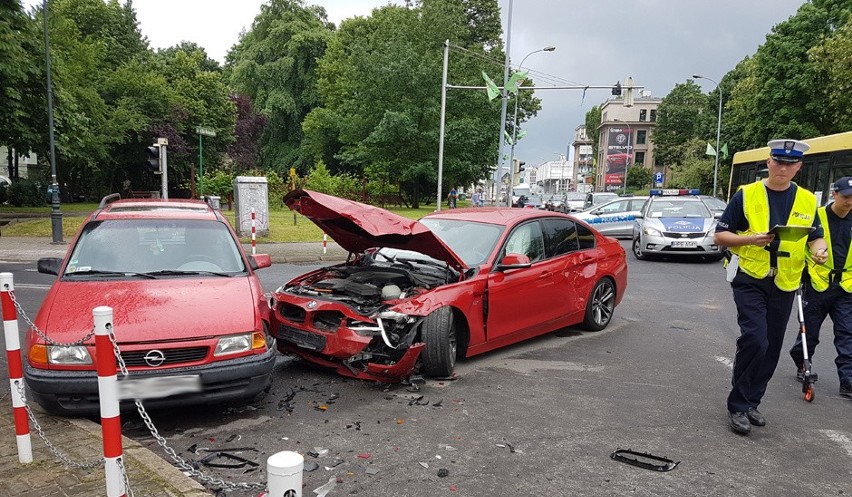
<point x="617" y="156"/>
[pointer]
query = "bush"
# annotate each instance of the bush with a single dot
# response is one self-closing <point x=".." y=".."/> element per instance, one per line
<point x="4" y="193"/>
<point x="24" y="192"/>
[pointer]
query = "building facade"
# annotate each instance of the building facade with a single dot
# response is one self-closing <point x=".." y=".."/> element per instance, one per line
<point x="625" y="140"/>
<point x="583" y="166"/>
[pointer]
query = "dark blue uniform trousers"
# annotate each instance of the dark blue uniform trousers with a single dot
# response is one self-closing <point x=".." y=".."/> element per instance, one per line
<point x="837" y="303"/>
<point x="762" y="313"/>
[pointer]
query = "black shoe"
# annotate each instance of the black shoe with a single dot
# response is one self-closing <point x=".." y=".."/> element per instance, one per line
<point x="739" y="422"/>
<point x="800" y="376"/>
<point x="754" y="417"/>
<point x="846" y="388"/>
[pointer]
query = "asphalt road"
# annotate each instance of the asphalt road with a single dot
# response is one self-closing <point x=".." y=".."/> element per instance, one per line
<point x="541" y="417"/>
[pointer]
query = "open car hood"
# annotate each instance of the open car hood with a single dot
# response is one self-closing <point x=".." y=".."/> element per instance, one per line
<point x="357" y="227"/>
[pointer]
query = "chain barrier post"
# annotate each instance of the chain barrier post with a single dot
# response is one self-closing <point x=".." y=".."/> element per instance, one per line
<point x="285" y="474"/>
<point x="16" y="369"/>
<point x="324" y="243"/>
<point x="108" y="393"/>
<point x="253" y="233"/>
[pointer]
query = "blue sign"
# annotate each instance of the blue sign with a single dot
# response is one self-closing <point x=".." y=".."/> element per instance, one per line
<point x="658" y="177"/>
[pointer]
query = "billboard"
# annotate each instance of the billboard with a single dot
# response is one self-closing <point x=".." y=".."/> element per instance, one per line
<point x="618" y="157"/>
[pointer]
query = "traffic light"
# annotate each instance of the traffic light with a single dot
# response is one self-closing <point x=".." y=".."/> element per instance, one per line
<point x="616" y="90"/>
<point x="153" y="161"/>
<point x="519" y="166"/>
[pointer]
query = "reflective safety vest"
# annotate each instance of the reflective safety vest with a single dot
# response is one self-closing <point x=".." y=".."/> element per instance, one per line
<point x="754" y="260"/>
<point x="821" y="274"/>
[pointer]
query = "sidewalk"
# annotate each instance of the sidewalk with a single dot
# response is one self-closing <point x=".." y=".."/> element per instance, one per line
<point x="30" y="249"/>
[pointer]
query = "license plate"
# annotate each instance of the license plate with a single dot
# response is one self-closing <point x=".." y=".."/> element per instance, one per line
<point x="157" y="387"/>
<point x="684" y="244"/>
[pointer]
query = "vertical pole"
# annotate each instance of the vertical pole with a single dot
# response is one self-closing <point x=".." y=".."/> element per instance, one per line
<point x="16" y="369"/>
<point x="253" y="233"/>
<point x="443" y="117"/>
<point x="164" y="167"/>
<point x="629" y="154"/>
<point x="324" y="243"/>
<point x="200" y="167"/>
<point x="108" y="393"/>
<point x="55" y="212"/>
<point x="718" y="132"/>
<point x="498" y="172"/>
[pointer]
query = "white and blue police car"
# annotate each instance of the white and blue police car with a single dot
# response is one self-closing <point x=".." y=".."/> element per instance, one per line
<point x="615" y="217"/>
<point x="675" y="222"/>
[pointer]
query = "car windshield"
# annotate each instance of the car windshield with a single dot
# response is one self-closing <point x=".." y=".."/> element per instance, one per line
<point x="677" y="207"/>
<point x="471" y="241"/>
<point x="715" y="204"/>
<point x="151" y="246"/>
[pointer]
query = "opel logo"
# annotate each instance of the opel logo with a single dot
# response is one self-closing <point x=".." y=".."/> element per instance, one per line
<point x="154" y="358"/>
<point x="312" y="304"/>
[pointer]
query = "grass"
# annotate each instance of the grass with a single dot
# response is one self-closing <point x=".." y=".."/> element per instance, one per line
<point x="284" y="225"/>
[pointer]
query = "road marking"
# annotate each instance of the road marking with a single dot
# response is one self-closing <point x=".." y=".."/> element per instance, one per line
<point x="840" y="438"/>
<point x="726" y="362"/>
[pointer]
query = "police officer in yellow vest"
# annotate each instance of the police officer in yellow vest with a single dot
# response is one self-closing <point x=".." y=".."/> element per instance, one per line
<point x="830" y="290"/>
<point x="765" y="272"/>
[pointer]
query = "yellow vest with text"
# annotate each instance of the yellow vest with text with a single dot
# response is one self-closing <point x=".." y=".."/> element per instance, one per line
<point x="755" y="260"/>
<point x="821" y="273"/>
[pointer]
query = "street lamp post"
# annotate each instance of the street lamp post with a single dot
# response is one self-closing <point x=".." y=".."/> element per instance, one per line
<point x="718" y="131"/>
<point x="55" y="212"/>
<point x="515" y="127"/>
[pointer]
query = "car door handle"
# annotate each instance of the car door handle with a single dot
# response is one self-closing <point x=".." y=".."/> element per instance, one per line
<point x="586" y="258"/>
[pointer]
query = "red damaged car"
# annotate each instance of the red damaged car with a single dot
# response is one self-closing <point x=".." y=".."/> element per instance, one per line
<point x="415" y="295"/>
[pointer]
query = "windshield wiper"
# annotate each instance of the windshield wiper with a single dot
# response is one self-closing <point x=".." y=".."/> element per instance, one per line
<point x="101" y="272"/>
<point x="178" y="272"/>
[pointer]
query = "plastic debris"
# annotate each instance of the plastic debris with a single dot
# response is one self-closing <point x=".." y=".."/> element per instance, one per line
<point x="310" y="466"/>
<point x="328" y="487"/>
<point x="364" y="456"/>
<point x="320" y="451"/>
<point x="234" y="437"/>
<point x="372" y="470"/>
<point x="438" y="404"/>
<point x="424" y="464"/>
<point x="644" y="460"/>
<point x="443" y="473"/>
<point x="211" y="461"/>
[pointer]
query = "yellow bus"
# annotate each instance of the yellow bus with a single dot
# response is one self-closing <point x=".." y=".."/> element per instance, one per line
<point x="828" y="159"/>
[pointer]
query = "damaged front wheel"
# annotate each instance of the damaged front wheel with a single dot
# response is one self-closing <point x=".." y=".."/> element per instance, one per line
<point x="438" y="332"/>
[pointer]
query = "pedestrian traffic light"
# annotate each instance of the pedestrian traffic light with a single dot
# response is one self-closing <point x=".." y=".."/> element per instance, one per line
<point x="153" y="161"/>
<point x="616" y="90"/>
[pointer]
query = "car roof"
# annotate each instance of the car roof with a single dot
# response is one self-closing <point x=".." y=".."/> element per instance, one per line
<point x="157" y="209"/>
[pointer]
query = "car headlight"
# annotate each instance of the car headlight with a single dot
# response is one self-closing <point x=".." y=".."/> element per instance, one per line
<point x="651" y="231"/>
<point x="395" y="316"/>
<point x="235" y="344"/>
<point x="68" y="356"/>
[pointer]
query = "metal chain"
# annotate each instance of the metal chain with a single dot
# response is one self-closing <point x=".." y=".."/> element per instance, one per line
<point x="127" y="489"/>
<point x="58" y="453"/>
<point x="162" y="442"/>
<point x="38" y="331"/>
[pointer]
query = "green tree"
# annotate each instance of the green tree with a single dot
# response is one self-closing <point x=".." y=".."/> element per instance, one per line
<point x="678" y="119"/>
<point x="274" y="64"/>
<point x="694" y="170"/>
<point x="639" y="177"/>
<point x="834" y="59"/>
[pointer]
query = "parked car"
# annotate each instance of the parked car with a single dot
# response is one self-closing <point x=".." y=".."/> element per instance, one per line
<point x="597" y="198"/>
<point x="614" y="218"/>
<point x="415" y="295"/>
<point x="676" y="223"/>
<point x="534" y="202"/>
<point x="186" y="303"/>
<point x="574" y="201"/>
<point x="715" y="204"/>
<point x="555" y="203"/>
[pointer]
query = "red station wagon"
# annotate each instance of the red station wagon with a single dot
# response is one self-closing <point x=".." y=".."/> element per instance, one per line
<point x="415" y="295"/>
<point x="186" y="305"/>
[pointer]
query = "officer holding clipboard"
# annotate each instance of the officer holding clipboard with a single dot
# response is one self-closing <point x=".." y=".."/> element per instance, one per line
<point x="765" y="270"/>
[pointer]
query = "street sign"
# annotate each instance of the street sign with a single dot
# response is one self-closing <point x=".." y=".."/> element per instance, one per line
<point x="658" y="177"/>
<point x="201" y="130"/>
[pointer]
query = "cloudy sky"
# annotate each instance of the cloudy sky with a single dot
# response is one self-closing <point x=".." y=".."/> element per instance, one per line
<point x="658" y="42"/>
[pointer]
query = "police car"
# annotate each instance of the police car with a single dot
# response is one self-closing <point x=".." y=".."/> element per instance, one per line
<point x="613" y="218"/>
<point x="675" y="222"/>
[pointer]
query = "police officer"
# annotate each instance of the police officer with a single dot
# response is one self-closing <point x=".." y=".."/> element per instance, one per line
<point x="830" y="289"/>
<point x="765" y="272"/>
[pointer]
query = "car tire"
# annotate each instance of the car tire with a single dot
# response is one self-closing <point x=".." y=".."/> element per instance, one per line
<point x="637" y="250"/>
<point x="600" y="306"/>
<point x="438" y="333"/>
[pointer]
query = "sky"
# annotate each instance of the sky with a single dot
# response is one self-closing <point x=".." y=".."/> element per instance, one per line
<point x="659" y="43"/>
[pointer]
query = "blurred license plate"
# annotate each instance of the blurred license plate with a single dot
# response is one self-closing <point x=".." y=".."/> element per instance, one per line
<point x="684" y="244"/>
<point x="157" y="386"/>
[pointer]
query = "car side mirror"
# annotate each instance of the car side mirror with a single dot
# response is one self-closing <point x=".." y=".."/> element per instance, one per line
<point x="514" y="261"/>
<point x="49" y="265"/>
<point x="259" y="261"/>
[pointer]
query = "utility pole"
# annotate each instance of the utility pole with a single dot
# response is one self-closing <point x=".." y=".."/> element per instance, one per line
<point x="164" y="167"/>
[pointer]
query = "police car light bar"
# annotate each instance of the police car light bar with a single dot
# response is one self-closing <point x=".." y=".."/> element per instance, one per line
<point x="675" y="191"/>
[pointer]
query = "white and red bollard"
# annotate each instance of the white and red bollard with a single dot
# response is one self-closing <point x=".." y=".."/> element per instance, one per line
<point x="16" y="369"/>
<point x="253" y="233"/>
<point x="284" y="474"/>
<point x="108" y="392"/>
<point x="324" y="243"/>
